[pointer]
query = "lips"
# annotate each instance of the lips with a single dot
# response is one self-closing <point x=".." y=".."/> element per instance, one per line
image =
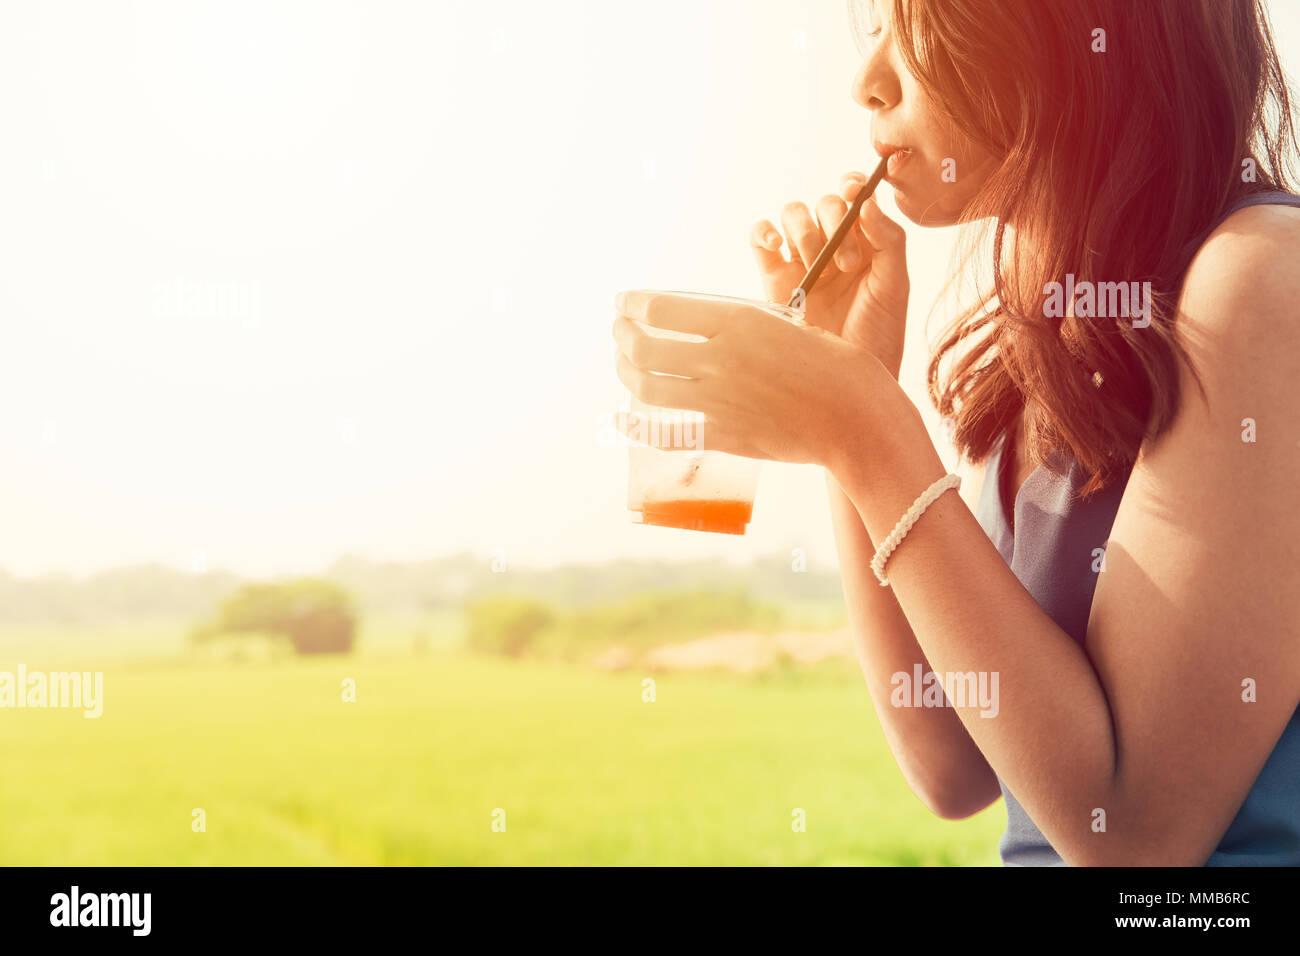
<point x="897" y="155"/>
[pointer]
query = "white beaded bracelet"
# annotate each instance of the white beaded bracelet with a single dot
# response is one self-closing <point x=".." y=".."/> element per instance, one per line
<point x="905" y="523"/>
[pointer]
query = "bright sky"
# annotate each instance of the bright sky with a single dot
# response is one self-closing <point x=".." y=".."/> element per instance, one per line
<point x="284" y="281"/>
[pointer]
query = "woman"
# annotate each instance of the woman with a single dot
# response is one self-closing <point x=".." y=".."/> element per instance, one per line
<point x="1127" y="578"/>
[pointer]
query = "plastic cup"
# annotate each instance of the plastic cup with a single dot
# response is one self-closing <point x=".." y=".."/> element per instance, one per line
<point x="683" y="486"/>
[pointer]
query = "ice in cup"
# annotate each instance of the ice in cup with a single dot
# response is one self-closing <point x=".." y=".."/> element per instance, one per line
<point x="685" y="486"/>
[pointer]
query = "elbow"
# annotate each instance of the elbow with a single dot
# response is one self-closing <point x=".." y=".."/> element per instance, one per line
<point x="952" y="783"/>
<point x="954" y="808"/>
<point x="1143" y="843"/>
<point x="956" y="802"/>
<point x="1140" y="855"/>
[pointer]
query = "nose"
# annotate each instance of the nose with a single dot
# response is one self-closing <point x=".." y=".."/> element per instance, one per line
<point x="876" y="87"/>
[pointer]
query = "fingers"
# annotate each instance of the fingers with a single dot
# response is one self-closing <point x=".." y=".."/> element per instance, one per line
<point x="808" y="235"/>
<point x="802" y="234"/>
<point x="881" y="231"/>
<point x="674" y="313"/>
<point x="663" y="391"/>
<point x="830" y="211"/>
<point x="670" y="432"/>
<point x="850" y="183"/>
<point x="883" y="241"/>
<point x="766" y="243"/>
<point x="649" y="352"/>
<point x="887" y="239"/>
<point x="805" y="235"/>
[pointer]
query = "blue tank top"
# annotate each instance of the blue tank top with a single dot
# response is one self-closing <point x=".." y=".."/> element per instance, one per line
<point x="1056" y="540"/>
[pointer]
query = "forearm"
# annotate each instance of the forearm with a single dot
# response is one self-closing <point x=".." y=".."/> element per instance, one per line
<point x="1052" y="737"/>
<point x="935" y="753"/>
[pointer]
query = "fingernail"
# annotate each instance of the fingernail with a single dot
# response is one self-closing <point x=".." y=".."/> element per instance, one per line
<point x="620" y="301"/>
<point x="770" y="238"/>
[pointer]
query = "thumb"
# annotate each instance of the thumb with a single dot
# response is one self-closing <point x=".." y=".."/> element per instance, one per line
<point x="888" y="241"/>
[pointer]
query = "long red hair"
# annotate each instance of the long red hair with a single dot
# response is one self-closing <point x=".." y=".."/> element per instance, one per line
<point x="1111" y="165"/>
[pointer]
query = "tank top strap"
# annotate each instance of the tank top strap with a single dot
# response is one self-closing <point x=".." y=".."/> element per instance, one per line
<point x="1271" y="197"/>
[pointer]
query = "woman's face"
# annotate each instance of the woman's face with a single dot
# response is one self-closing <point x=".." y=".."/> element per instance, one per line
<point x="935" y="171"/>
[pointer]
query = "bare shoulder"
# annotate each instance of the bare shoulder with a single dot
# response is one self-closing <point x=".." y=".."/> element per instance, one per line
<point x="1249" y="261"/>
<point x="1239" y="312"/>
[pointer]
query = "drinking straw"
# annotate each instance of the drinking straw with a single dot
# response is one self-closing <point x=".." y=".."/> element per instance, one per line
<point x="800" y="293"/>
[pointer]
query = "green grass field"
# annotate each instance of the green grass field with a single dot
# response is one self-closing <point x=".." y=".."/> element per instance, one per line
<point x="584" y="770"/>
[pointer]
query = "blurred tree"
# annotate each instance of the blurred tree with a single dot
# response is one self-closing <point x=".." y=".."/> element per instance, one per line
<point x="506" y="625"/>
<point x="316" y="615"/>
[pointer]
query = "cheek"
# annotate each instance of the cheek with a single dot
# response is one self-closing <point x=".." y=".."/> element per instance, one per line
<point x="960" y="165"/>
<point x="937" y="191"/>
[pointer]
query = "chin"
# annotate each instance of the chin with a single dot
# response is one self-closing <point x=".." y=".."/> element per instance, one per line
<point x="923" y="210"/>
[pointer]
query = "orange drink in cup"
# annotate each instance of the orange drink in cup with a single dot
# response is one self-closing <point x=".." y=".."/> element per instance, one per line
<point x="685" y="486"/>
<point x="673" y="480"/>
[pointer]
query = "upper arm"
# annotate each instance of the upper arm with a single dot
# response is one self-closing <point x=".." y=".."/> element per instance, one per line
<point x="1199" y="598"/>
